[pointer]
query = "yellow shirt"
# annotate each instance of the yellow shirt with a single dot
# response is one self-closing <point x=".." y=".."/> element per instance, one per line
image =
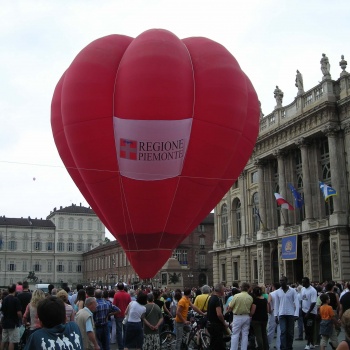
<point x="201" y="302"/>
<point x="241" y="303"/>
<point x="185" y="303"/>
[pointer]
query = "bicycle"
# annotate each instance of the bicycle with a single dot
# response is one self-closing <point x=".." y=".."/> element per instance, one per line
<point x="196" y="336"/>
<point x="167" y="340"/>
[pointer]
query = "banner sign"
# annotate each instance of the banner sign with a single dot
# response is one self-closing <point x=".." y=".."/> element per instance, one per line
<point x="289" y="247"/>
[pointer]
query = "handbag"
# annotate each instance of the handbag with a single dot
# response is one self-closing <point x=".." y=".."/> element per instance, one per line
<point x="126" y="317"/>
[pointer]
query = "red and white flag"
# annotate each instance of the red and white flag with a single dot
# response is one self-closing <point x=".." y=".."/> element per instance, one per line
<point x="282" y="202"/>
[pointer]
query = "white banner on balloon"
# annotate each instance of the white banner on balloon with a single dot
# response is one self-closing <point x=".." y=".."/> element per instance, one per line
<point x="151" y="149"/>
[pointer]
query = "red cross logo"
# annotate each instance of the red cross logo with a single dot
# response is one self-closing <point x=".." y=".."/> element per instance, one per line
<point x="128" y="149"/>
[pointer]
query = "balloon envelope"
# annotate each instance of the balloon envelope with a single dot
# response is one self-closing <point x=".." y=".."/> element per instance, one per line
<point x="154" y="131"/>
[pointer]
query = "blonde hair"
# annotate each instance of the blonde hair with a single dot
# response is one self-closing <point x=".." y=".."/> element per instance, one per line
<point x="63" y="295"/>
<point x="37" y="295"/>
<point x="345" y="321"/>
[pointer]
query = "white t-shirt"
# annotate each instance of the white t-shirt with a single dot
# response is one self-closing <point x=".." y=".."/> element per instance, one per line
<point x="308" y="296"/>
<point x="135" y="312"/>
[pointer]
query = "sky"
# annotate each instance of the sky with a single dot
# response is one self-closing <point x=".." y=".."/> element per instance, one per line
<point x="39" y="39"/>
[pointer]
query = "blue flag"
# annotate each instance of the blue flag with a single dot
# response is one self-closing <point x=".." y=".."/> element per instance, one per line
<point x="298" y="199"/>
<point x="327" y="191"/>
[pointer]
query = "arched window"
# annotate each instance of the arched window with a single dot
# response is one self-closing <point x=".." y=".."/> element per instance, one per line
<point x="224" y="222"/>
<point x="237" y="218"/>
<point x="255" y="217"/>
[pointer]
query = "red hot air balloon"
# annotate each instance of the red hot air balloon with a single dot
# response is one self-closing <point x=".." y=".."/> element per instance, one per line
<point x="154" y="131"/>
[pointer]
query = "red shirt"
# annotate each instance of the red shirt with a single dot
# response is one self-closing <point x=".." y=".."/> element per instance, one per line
<point x="121" y="300"/>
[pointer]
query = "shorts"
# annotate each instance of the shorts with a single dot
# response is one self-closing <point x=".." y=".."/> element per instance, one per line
<point x="10" y="335"/>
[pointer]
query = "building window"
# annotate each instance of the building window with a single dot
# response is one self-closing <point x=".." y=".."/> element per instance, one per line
<point x="37" y="246"/>
<point x="49" y="246"/>
<point x="202" y="242"/>
<point x="99" y="226"/>
<point x="70" y="266"/>
<point x="224" y="223"/>
<point x="308" y="99"/>
<point x="60" y="266"/>
<point x="254" y="177"/>
<point x="255" y="269"/>
<point x="90" y="224"/>
<point x="11" y="266"/>
<point x="202" y="261"/>
<point x="37" y="266"/>
<point x="223" y="272"/>
<point x="318" y="93"/>
<point x="24" y="265"/>
<point x="70" y="247"/>
<point x="25" y="244"/>
<point x="12" y="245"/>
<point x="201" y="228"/>
<point x="60" y="223"/>
<point x="235" y="271"/>
<point x="78" y="267"/>
<point x="79" y="247"/>
<point x="181" y="256"/>
<point x="236" y="218"/>
<point x="49" y="266"/>
<point x="80" y="224"/>
<point x="60" y="246"/>
<point x="255" y="217"/>
<point x="71" y="223"/>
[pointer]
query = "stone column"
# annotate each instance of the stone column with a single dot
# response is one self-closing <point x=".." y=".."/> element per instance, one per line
<point x="282" y="270"/>
<point x="336" y="167"/>
<point x="243" y="195"/>
<point x="344" y="253"/>
<point x="335" y="255"/>
<point x="260" y="164"/>
<point x="306" y="257"/>
<point x="304" y="146"/>
<point x="281" y="182"/>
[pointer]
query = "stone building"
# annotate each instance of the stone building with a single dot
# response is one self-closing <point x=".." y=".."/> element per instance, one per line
<point x="302" y="143"/>
<point x="50" y="248"/>
<point x="107" y="264"/>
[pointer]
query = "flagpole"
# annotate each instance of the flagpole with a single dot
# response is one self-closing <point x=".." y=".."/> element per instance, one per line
<point x="285" y="221"/>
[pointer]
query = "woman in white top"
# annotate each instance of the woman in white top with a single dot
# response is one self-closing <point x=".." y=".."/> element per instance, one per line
<point x="134" y="331"/>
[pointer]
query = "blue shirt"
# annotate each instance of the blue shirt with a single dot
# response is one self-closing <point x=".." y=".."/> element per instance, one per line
<point x="104" y="308"/>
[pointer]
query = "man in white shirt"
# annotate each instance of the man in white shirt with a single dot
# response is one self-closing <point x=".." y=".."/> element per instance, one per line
<point x="309" y="310"/>
<point x="286" y="311"/>
<point x="271" y="326"/>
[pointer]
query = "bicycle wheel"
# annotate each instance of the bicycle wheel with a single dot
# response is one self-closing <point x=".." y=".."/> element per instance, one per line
<point x="205" y="341"/>
<point x="192" y="343"/>
<point x="167" y="340"/>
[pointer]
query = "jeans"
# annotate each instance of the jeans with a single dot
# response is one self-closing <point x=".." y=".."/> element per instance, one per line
<point x="120" y="331"/>
<point x="300" y="325"/>
<point x="309" y="326"/>
<point x="102" y="335"/>
<point x="271" y="332"/>
<point x="179" y="333"/>
<point x="287" y="331"/>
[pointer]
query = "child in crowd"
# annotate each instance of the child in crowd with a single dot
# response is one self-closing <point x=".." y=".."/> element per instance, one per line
<point x="327" y="324"/>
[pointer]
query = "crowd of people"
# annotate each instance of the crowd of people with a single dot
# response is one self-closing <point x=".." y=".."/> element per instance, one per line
<point x="253" y="315"/>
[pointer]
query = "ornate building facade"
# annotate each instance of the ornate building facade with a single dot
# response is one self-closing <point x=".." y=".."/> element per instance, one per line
<point x="51" y="249"/>
<point x="107" y="264"/>
<point x="300" y="144"/>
